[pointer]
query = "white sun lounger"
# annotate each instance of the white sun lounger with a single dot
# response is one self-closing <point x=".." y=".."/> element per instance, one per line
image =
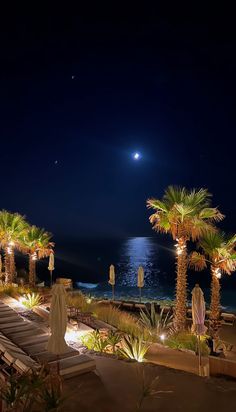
<point x="26" y="336"/>
<point x="75" y="365"/>
<point x="14" y="356"/>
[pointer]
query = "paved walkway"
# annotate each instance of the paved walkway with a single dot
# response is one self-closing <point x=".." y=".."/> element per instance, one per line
<point x="117" y="386"/>
<point x="176" y="359"/>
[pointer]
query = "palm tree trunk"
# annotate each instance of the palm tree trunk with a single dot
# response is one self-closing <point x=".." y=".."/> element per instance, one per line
<point x="215" y="302"/>
<point x="12" y="266"/>
<point x="181" y="285"/>
<point x="7" y="266"/>
<point x="32" y="271"/>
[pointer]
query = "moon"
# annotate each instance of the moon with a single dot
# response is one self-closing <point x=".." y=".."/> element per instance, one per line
<point x="136" y="156"/>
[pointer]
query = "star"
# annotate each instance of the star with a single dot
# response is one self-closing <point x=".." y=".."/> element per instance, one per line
<point x="56" y="162"/>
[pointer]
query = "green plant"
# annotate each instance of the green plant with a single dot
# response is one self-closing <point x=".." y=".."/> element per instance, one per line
<point x="80" y="301"/>
<point x="113" y="339"/>
<point x="35" y="389"/>
<point x="31" y="300"/>
<point x="133" y="348"/>
<point x="36" y="243"/>
<point x="156" y="324"/>
<point x="11" y="392"/>
<point x="186" y="340"/>
<point x="13" y="291"/>
<point x="148" y="387"/>
<point x="95" y="341"/>
<point x="186" y="215"/>
<point x="121" y="320"/>
<point x="88" y="341"/>
<point x="219" y="252"/>
<point x="51" y="394"/>
<point x="12" y="228"/>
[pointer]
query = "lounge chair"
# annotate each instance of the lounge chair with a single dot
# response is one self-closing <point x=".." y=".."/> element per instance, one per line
<point x="15" y="357"/>
<point x="228" y="318"/>
<point x="40" y="285"/>
<point x="140" y="306"/>
<point x="128" y="306"/>
<point x="75" y="365"/>
<point x="24" y="345"/>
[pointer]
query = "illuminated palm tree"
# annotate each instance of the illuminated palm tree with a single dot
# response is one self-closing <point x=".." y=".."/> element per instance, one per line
<point x="36" y="242"/>
<point x="12" y="228"/>
<point x="220" y="253"/>
<point x="186" y="215"/>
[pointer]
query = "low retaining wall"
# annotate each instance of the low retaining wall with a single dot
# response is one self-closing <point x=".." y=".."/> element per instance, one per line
<point x="222" y="367"/>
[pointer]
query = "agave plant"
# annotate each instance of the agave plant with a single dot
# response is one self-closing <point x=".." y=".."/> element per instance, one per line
<point x="156" y="324"/>
<point x="31" y="300"/>
<point x="133" y="348"/>
<point x="95" y="341"/>
<point x="34" y="390"/>
<point x="113" y="339"/>
<point x="51" y="393"/>
<point x="149" y="387"/>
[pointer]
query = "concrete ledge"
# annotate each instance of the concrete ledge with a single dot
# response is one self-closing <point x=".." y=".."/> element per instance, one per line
<point x="222" y="367"/>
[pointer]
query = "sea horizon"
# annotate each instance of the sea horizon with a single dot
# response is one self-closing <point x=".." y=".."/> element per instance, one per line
<point x="87" y="261"/>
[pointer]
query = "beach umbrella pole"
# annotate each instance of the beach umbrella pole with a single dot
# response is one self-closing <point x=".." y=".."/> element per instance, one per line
<point x="51" y="277"/>
<point x="199" y="356"/>
<point x="113" y="292"/>
<point x="140" y="294"/>
<point x="58" y="365"/>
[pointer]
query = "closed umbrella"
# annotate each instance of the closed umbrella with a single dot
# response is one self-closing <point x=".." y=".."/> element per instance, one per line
<point x="58" y="321"/>
<point x="140" y="280"/>
<point x="112" y="279"/>
<point x="198" y="316"/>
<point x="51" y="265"/>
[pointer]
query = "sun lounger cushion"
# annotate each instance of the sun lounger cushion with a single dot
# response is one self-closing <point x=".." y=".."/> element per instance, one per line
<point x="75" y="365"/>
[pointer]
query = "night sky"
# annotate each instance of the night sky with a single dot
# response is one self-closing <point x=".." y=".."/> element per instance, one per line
<point x="81" y="91"/>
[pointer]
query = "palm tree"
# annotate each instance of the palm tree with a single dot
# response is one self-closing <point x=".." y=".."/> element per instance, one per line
<point x="36" y="242"/>
<point x="219" y="252"/>
<point x="186" y="215"/>
<point x="12" y="228"/>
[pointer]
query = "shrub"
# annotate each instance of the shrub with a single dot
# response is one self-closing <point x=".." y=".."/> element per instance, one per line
<point x="113" y="340"/>
<point x="95" y="341"/>
<point x="34" y="390"/>
<point x="186" y="340"/>
<point x="121" y="320"/>
<point x="13" y="291"/>
<point x="155" y="323"/>
<point x="133" y="348"/>
<point x="31" y="300"/>
<point x="88" y="341"/>
<point x="80" y="301"/>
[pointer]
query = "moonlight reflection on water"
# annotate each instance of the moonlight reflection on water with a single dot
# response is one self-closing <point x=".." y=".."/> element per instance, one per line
<point x="135" y="252"/>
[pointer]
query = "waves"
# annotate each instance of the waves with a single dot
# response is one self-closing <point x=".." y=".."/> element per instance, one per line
<point x="87" y="285"/>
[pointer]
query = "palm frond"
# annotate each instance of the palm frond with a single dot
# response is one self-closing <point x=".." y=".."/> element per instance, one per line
<point x="197" y="261"/>
<point x="156" y="204"/>
<point x="211" y="213"/>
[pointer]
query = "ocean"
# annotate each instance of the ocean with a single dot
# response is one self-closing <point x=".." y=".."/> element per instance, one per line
<point x="87" y="263"/>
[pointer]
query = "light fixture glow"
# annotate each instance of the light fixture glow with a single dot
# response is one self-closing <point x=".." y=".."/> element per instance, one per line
<point x="162" y="337"/>
<point x="218" y="273"/>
